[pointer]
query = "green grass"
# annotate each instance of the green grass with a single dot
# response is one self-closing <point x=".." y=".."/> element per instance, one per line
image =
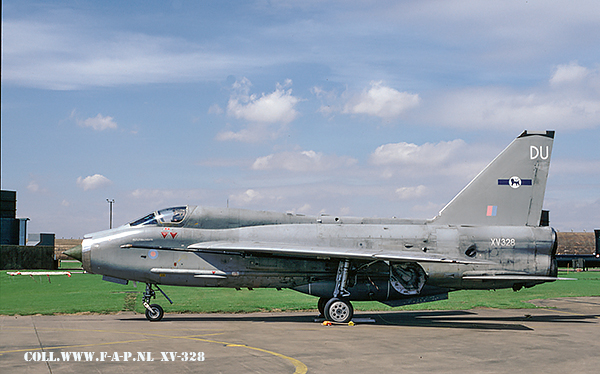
<point x="70" y="264"/>
<point x="82" y="293"/>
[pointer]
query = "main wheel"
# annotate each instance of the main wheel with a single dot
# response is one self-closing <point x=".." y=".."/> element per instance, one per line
<point x="321" y="305"/>
<point x="156" y="314"/>
<point x="339" y="310"/>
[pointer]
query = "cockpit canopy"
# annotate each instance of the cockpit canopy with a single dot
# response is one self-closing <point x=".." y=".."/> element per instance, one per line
<point x="165" y="217"/>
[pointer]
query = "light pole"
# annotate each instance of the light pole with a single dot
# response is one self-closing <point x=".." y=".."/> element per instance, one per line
<point x="110" y="202"/>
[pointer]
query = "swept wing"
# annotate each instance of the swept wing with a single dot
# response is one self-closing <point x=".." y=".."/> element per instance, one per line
<point x="287" y="249"/>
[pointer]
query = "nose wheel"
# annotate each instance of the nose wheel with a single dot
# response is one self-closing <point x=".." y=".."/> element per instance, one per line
<point x="154" y="312"/>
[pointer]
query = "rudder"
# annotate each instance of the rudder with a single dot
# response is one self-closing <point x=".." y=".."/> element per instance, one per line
<point x="509" y="191"/>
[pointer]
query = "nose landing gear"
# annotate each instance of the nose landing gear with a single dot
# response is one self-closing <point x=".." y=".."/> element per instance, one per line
<point x="154" y="312"/>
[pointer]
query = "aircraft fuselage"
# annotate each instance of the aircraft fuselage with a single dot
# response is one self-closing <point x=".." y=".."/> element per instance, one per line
<point x="160" y="255"/>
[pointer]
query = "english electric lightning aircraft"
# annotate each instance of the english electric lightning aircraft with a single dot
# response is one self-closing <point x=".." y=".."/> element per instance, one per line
<point x="491" y="235"/>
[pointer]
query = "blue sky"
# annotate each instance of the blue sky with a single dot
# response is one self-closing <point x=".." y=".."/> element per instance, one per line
<point x="356" y="108"/>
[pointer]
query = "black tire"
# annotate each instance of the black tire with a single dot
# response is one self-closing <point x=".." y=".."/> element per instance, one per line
<point x="321" y="305"/>
<point x="156" y="314"/>
<point x="338" y="310"/>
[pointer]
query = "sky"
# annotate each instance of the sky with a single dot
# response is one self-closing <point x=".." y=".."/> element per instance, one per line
<point x="354" y="108"/>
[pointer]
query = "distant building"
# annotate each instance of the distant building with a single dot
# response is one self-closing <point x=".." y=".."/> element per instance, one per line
<point x="575" y="243"/>
<point x="17" y="250"/>
<point x="578" y="250"/>
<point x="13" y="230"/>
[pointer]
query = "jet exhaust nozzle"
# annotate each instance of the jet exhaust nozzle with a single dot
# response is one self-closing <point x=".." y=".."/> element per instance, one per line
<point x="74" y="252"/>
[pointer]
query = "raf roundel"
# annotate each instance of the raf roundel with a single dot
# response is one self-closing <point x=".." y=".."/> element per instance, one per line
<point x="153" y="253"/>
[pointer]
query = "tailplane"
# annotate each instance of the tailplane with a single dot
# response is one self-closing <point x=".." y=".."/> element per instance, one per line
<point x="509" y="191"/>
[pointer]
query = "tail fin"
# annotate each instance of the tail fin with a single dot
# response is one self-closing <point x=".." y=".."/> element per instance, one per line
<point x="509" y="191"/>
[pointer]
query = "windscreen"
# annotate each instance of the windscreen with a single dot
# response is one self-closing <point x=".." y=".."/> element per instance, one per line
<point x="150" y="219"/>
<point x="165" y="217"/>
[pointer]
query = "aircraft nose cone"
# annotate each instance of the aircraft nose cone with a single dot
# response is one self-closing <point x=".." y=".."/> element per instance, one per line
<point x="74" y="252"/>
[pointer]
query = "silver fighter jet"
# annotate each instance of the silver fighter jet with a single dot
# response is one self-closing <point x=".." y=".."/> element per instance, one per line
<point x="491" y="235"/>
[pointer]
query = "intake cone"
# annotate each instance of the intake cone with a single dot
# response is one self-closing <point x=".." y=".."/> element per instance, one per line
<point x="74" y="252"/>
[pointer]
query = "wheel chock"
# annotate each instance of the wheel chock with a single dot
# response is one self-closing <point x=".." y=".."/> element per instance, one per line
<point x="329" y="323"/>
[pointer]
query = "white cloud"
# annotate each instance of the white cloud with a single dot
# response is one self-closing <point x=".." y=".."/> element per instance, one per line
<point x="382" y="101"/>
<point x="330" y="102"/>
<point x="215" y="109"/>
<point x="571" y="73"/>
<point x="497" y="108"/>
<point x="567" y="167"/>
<point x="254" y="133"/>
<point x="267" y="114"/>
<point x="78" y="52"/>
<point x="33" y="186"/>
<point x="304" y="161"/>
<point x="405" y="193"/>
<point x="98" y="123"/>
<point x="74" y="48"/>
<point x="412" y="154"/>
<point x="247" y="197"/>
<point x="93" y="182"/>
<point x="570" y="101"/>
<point x="276" y="107"/>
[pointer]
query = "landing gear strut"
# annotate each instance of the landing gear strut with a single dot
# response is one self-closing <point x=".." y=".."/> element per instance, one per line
<point x="338" y="309"/>
<point x="341" y="280"/>
<point x="154" y="312"/>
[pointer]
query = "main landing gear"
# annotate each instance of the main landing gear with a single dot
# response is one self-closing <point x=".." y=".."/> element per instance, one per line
<point x="154" y="312"/>
<point x="338" y="308"/>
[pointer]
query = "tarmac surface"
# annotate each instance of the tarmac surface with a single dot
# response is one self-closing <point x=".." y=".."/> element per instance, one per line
<point x="563" y="337"/>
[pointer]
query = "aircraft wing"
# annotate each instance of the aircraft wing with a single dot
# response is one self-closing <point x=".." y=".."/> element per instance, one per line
<point x="286" y="249"/>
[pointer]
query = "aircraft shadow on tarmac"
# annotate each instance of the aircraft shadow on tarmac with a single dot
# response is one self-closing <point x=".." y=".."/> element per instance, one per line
<point x="442" y="319"/>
